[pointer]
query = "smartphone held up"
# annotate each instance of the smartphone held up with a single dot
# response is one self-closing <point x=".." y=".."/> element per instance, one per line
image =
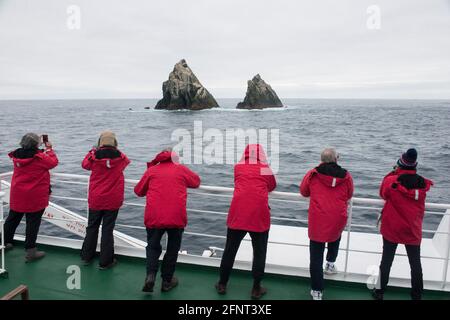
<point x="45" y="141"/>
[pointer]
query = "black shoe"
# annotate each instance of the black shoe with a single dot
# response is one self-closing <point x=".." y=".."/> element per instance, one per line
<point x="258" y="292"/>
<point x="109" y="266"/>
<point x="221" y="288"/>
<point x="86" y="262"/>
<point x="9" y="246"/>
<point x="377" y="295"/>
<point x="149" y="283"/>
<point x="169" y="285"/>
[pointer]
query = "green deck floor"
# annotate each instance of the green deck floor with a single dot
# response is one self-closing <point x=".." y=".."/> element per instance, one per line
<point x="47" y="279"/>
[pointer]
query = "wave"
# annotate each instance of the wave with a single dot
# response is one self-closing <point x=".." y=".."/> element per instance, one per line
<point x="211" y="110"/>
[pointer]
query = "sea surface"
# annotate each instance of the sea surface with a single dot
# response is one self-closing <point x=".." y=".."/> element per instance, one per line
<point x="369" y="135"/>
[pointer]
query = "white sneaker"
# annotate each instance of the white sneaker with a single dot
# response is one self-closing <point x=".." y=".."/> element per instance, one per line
<point x="330" y="269"/>
<point x="316" y="295"/>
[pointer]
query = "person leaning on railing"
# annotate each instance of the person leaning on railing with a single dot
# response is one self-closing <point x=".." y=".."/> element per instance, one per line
<point x="30" y="191"/>
<point x="165" y="184"/>
<point x="401" y="220"/>
<point x="249" y="213"/>
<point x="106" y="195"/>
<point x="329" y="187"/>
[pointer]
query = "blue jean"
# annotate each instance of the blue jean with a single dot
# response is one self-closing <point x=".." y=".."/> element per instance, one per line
<point x="316" y="251"/>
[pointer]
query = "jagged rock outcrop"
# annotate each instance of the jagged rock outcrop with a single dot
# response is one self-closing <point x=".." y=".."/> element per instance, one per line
<point x="184" y="91"/>
<point x="259" y="95"/>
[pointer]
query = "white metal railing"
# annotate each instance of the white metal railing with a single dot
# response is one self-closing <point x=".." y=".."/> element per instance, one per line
<point x="2" y="240"/>
<point x="290" y="197"/>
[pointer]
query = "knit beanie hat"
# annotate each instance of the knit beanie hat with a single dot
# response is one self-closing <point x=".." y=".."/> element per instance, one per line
<point x="107" y="138"/>
<point x="408" y="159"/>
<point x="30" y="141"/>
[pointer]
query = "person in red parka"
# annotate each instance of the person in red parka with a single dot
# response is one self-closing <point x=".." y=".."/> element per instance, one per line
<point x="401" y="220"/>
<point x="30" y="191"/>
<point x="105" y="197"/>
<point x="249" y="213"/>
<point x="165" y="185"/>
<point x="329" y="187"/>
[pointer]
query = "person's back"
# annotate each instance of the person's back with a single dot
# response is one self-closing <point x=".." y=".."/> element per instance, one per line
<point x="165" y="186"/>
<point x="106" y="195"/>
<point x="329" y="187"/>
<point x="253" y="180"/>
<point x="30" y="183"/>
<point x="249" y="213"/>
<point x="30" y="191"/>
<point x="405" y="193"/>
<point x="107" y="181"/>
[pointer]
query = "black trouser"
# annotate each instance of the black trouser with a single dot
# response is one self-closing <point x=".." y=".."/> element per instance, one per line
<point x="413" y="252"/>
<point x="107" y="218"/>
<point x="259" y="244"/>
<point x="154" y="250"/>
<point x="33" y="223"/>
<point x="316" y="250"/>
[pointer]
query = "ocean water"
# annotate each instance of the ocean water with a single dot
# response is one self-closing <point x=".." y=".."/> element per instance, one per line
<point x="370" y="135"/>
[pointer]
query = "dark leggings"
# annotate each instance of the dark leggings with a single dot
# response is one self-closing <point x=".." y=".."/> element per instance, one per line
<point x="154" y="249"/>
<point x="413" y="252"/>
<point x="106" y="218"/>
<point x="259" y="243"/>
<point x="32" y="228"/>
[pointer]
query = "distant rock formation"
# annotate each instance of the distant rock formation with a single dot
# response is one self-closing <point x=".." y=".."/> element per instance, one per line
<point x="184" y="91"/>
<point x="259" y="95"/>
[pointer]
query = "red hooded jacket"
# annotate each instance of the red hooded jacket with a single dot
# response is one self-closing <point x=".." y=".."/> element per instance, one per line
<point x="402" y="216"/>
<point x="107" y="182"/>
<point x="330" y="188"/>
<point x="165" y="184"/>
<point x="253" y="180"/>
<point x="30" y="183"/>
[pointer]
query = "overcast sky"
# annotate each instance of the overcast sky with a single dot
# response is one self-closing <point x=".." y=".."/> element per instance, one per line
<point x="304" y="49"/>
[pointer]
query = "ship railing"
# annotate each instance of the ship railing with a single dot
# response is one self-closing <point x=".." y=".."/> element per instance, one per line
<point x="277" y="196"/>
<point x="2" y="237"/>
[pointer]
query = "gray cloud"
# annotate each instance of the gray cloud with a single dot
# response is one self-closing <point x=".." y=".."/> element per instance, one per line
<point x="319" y="49"/>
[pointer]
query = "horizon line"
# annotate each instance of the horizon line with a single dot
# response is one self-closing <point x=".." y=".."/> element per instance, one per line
<point x="300" y="98"/>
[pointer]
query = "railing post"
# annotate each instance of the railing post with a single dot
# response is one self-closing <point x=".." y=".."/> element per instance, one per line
<point x="349" y="229"/>
<point x="447" y="253"/>
<point x="87" y="205"/>
<point x="2" y="230"/>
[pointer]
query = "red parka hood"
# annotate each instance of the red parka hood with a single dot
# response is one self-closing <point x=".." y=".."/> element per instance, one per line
<point x="412" y="193"/>
<point x="108" y="162"/>
<point x="19" y="162"/>
<point x="333" y="177"/>
<point x="254" y="153"/>
<point x="165" y="156"/>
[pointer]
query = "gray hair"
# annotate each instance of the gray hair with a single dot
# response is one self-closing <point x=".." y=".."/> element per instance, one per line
<point x="329" y="155"/>
<point x="30" y="141"/>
